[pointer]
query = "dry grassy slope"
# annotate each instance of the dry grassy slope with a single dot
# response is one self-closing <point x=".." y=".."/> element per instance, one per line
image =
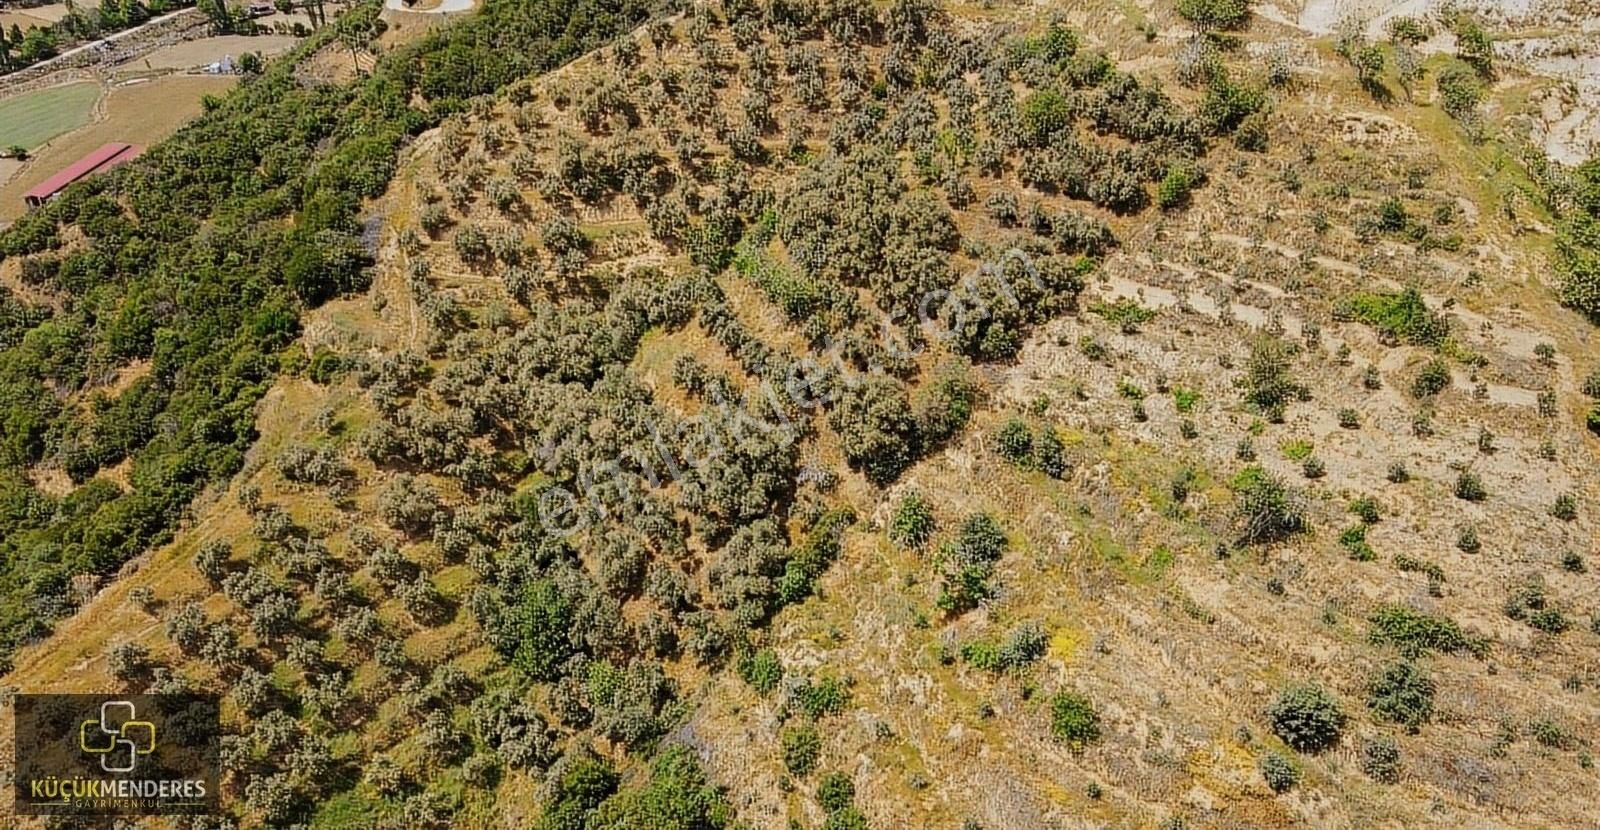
<point x="1178" y="648"/>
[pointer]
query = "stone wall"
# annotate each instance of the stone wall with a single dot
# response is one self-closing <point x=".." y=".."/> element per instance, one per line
<point x="189" y="24"/>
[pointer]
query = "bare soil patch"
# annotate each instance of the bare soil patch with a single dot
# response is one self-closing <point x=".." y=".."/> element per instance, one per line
<point x="207" y="50"/>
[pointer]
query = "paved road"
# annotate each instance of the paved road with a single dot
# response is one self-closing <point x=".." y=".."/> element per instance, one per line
<point x="444" y="7"/>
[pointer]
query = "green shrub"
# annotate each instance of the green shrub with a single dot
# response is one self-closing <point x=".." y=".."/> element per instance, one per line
<point x="1402" y="693"/>
<point x="1297" y="449"/>
<point x="1014" y="443"/>
<point x="835" y="792"/>
<point x="1416" y="634"/>
<point x="1392" y="218"/>
<point x="676" y="796"/>
<point x="801" y="747"/>
<point x="1215" y="14"/>
<point x="1431" y="379"/>
<point x="982" y="654"/>
<point x="1044" y="113"/>
<point x="1366" y="509"/>
<point x="1410" y="564"/>
<point x="1354" y="540"/>
<point x="968" y="562"/>
<point x="1173" y="191"/>
<point x="1549" y="620"/>
<point x="1268" y="510"/>
<point x="1475" y="46"/>
<point x="1074" y="720"/>
<point x="848" y="818"/>
<point x="1306" y="717"/>
<point x="762" y="670"/>
<point x="1025" y="644"/>
<point x="913" y="524"/>
<point x="1460" y="90"/>
<point x="1565" y="507"/>
<point x="817" y="698"/>
<point x="1269" y="375"/>
<point x="1469" y="487"/>
<point x="1228" y="104"/>
<point x="1551" y="735"/>
<point x="1049" y="454"/>
<point x="1380" y="760"/>
<point x="1125" y="313"/>
<point x="943" y="409"/>
<point x="1279" y="772"/>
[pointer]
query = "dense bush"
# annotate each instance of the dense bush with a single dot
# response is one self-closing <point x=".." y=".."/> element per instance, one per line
<point x="1432" y="378"/>
<point x="1415" y="633"/>
<point x="1306" y="717"/>
<point x="1073" y="720"/>
<point x="877" y="428"/>
<point x="1280" y="773"/>
<point x="1578" y="253"/>
<point x="913" y="524"/>
<point x="1399" y="317"/>
<point x="801" y="746"/>
<point x="1380" y="760"/>
<point x="1460" y="90"/>
<point x="1215" y="14"/>
<point x="1402" y="693"/>
<point x="967" y="563"/>
<point x="1269" y="381"/>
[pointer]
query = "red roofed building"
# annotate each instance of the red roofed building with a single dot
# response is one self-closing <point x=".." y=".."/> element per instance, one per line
<point x="99" y="161"/>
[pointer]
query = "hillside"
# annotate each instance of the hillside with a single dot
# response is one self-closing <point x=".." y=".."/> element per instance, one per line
<point x="796" y="415"/>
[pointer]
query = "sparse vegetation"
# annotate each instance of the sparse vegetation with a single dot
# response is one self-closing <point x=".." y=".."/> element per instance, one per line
<point x="1267" y="509"/>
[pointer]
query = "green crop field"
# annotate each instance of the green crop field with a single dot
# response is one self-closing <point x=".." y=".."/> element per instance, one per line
<point x="33" y="118"/>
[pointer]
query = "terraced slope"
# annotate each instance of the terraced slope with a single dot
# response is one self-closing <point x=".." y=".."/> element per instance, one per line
<point x="837" y="417"/>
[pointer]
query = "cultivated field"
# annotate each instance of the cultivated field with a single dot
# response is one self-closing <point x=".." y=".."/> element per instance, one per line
<point x="141" y="113"/>
<point x="33" y="118"/>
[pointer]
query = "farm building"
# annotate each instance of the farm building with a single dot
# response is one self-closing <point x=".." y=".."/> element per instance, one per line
<point x="99" y="161"/>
